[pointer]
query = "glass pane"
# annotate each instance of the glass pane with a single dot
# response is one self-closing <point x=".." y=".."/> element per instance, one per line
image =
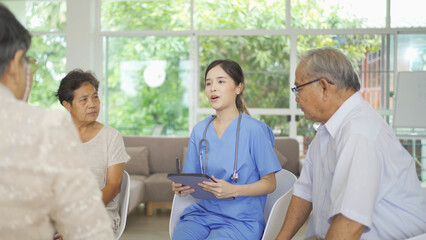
<point x="371" y="56"/>
<point x="147" y="82"/>
<point x="145" y="15"/>
<point x="264" y="60"/>
<point x="329" y="14"/>
<point x="407" y="13"/>
<point x="306" y="129"/>
<point x="417" y="148"/>
<point x="278" y="124"/>
<point x="412" y="52"/>
<point x="49" y="51"/>
<point x="239" y="14"/>
<point x="40" y="16"/>
<point x="412" y="57"/>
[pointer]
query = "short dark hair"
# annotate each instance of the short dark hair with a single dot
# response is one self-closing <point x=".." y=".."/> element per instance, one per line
<point x="13" y="37"/>
<point x="73" y="81"/>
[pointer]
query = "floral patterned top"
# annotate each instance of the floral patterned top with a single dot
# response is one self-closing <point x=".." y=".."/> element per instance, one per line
<point x="45" y="186"/>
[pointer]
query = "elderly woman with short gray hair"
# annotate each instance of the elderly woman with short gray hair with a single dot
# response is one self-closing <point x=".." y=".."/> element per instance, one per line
<point x="102" y="145"/>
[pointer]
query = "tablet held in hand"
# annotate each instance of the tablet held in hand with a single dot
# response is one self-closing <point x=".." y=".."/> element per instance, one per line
<point x="192" y="180"/>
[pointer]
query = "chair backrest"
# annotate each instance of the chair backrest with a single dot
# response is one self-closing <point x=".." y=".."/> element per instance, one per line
<point x="285" y="180"/>
<point x="277" y="203"/>
<point x="179" y="204"/>
<point x="123" y="201"/>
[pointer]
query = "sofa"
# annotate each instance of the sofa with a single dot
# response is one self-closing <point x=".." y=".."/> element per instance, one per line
<point x="152" y="158"/>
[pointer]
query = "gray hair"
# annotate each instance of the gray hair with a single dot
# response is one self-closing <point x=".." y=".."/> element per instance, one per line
<point x="331" y="64"/>
<point x="13" y="37"/>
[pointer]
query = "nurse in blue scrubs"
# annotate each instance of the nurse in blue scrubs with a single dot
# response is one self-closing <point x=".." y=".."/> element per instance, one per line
<point x="236" y="150"/>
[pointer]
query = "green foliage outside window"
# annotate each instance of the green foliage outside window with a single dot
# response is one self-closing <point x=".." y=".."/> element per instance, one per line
<point x="46" y="16"/>
<point x="312" y="14"/>
<point x="145" y="15"/>
<point x="239" y="14"/>
<point x="49" y="51"/>
<point x="143" y="109"/>
<point x="265" y="59"/>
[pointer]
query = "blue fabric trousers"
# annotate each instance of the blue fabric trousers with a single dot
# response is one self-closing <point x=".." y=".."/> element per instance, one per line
<point x="213" y="227"/>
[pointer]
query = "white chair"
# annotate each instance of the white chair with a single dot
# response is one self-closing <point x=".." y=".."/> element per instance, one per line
<point x="123" y="201"/>
<point x="179" y="204"/>
<point x="277" y="203"/>
<point x="285" y="182"/>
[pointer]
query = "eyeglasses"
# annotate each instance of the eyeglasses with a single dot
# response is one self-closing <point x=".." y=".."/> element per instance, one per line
<point x="295" y="89"/>
<point x="33" y="64"/>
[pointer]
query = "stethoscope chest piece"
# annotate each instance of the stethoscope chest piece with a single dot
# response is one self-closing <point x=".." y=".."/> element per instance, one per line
<point x="234" y="177"/>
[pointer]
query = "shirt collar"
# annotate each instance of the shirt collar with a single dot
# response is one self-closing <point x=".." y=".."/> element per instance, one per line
<point x="334" y="123"/>
<point x="5" y="92"/>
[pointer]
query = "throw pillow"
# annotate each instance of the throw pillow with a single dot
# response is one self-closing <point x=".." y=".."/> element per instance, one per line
<point x="138" y="163"/>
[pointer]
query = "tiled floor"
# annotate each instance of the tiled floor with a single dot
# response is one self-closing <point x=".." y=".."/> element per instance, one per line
<point x="139" y="226"/>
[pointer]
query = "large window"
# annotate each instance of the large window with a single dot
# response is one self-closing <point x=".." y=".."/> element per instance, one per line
<point x="151" y="55"/>
<point x="146" y="85"/>
<point x="265" y="61"/>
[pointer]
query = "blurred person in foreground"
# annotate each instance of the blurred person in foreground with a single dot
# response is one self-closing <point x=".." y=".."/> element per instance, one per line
<point x="44" y="184"/>
<point x="358" y="180"/>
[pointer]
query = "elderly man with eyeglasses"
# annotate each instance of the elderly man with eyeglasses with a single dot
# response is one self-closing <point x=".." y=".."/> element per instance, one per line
<point x="44" y="184"/>
<point x="358" y="180"/>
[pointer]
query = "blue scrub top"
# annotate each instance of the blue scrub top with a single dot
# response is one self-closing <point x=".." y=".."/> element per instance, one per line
<point x="256" y="158"/>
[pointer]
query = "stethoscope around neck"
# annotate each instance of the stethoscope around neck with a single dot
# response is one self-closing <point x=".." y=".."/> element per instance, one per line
<point x="234" y="176"/>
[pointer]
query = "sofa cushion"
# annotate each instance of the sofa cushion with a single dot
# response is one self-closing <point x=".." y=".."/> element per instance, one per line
<point x="138" y="163"/>
<point x="158" y="188"/>
<point x="289" y="147"/>
<point x="162" y="151"/>
<point x="283" y="160"/>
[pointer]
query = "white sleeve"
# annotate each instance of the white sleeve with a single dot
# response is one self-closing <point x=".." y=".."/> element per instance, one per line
<point x="356" y="180"/>
<point x="116" y="150"/>
<point x="303" y="185"/>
